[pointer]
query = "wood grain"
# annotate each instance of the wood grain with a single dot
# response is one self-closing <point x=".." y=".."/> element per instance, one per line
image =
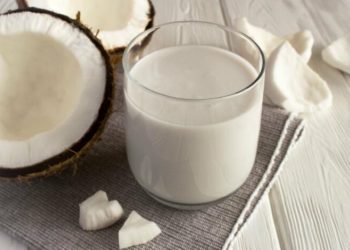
<point x="180" y="10"/>
<point x="311" y="201"/>
<point x="259" y="231"/>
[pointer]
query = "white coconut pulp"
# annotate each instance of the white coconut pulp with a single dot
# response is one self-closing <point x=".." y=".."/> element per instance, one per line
<point x="35" y="99"/>
<point x="337" y="54"/>
<point x="117" y="21"/>
<point x="137" y="230"/>
<point x="302" y="41"/>
<point x="293" y="85"/>
<point x="51" y="87"/>
<point x="97" y="212"/>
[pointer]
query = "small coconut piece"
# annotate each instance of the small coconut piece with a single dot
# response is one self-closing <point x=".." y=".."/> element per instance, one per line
<point x="115" y="21"/>
<point x="56" y="89"/>
<point x="137" y="230"/>
<point x="337" y="54"/>
<point x="266" y="40"/>
<point x="301" y="41"/>
<point x="292" y="84"/>
<point x="97" y="212"/>
<point x="7" y="5"/>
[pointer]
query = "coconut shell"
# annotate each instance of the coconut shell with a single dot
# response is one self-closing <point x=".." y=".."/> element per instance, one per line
<point x="70" y="156"/>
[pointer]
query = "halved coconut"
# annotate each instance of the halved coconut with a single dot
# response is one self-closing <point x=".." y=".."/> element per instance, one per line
<point x="56" y="87"/>
<point x="115" y="21"/>
<point x="7" y="5"/>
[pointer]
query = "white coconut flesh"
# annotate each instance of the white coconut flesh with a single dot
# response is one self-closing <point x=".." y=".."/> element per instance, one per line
<point x="36" y="93"/>
<point x="117" y="21"/>
<point x="51" y="87"/>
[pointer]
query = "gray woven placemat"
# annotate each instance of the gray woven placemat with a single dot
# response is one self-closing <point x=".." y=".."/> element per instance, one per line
<point x="44" y="213"/>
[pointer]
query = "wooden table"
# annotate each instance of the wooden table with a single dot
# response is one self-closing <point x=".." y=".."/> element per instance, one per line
<point x="309" y="206"/>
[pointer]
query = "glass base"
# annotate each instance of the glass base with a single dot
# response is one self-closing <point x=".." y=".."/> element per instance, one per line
<point x="185" y="206"/>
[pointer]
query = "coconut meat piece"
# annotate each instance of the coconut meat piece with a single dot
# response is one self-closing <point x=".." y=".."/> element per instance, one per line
<point x="51" y="87"/>
<point x="36" y="94"/>
<point x="117" y="21"/>
<point x="7" y="5"/>
<point x="266" y="40"/>
<point x="302" y="41"/>
<point x="293" y="85"/>
<point x="97" y="212"/>
<point x="337" y="54"/>
<point x="137" y="230"/>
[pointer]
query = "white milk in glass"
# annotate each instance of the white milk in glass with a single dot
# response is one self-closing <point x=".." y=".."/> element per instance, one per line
<point x="190" y="140"/>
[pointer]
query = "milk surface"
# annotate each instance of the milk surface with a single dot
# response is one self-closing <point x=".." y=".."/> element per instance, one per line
<point x="191" y="151"/>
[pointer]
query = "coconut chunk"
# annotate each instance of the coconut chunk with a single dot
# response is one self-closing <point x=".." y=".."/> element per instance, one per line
<point x="266" y="40"/>
<point x="137" y="230"/>
<point x="118" y="21"/>
<point x="7" y="5"/>
<point x="301" y="41"/>
<point x="98" y="198"/>
<point x="292" y="84"/>
<point x="337" y="54"/>
<point x="97" y="212"/>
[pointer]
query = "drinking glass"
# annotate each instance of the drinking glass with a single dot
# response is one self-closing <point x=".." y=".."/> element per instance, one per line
<point x="185" y="150"/>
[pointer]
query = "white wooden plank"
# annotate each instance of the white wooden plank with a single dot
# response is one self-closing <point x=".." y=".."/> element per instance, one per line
<point x="311" y="201"/>
<point x="258" y="232"/>
<point x="183" y="10"/>
<point x="315" y="186"/>
<point x="180" y="10"/>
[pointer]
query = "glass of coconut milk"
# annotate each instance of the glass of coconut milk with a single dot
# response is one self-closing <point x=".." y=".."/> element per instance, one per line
<point x="193" y="93"/>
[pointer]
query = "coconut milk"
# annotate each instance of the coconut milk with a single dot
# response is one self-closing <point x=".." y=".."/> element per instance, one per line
<point x="191" y="151"/>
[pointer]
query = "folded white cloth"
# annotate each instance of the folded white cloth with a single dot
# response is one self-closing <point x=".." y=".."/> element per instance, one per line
<point x="290" y="83"/>
<point x="337" y="54"/>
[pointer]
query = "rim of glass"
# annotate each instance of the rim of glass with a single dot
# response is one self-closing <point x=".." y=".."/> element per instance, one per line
<point x="225" y="28"/>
